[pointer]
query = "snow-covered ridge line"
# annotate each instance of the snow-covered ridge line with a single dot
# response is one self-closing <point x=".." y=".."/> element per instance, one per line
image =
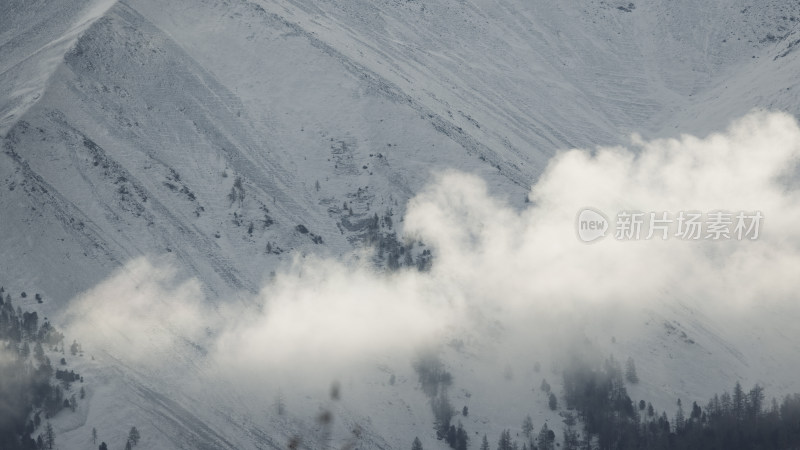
<point x="29" y="58"/>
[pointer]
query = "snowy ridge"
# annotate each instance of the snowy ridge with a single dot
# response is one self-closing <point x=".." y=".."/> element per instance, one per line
<point x="34" y="41"/>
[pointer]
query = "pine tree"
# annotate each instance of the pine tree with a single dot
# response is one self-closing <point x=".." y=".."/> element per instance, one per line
<point x="49" y="436"/>
<point x="546" y="438"/>
<point x="725" y="402"/>
<point x="553" y="403"/>
<point x="462" y="440"/>
<point x="417" y="444"/>
<point x="38" y="352"/>
<point x="133" y="436"/>
<point x="485" y="443"/>
<point x="505" y="441"/>
<point x="739" y="401"/>
<point x="442" y="412"/>
<point x="527" y="426"/>
<point x="630" y="371"/>
<point x="755" y="402"/>
<point x="94" y="436"/>
<point x="103" y="446"/>
<point x="280" y="406"/>
<point x="571" y="441"/>
<point x="679" y="418"/>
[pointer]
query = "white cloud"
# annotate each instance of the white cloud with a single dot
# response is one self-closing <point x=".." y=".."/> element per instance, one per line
<point x="493" y="262"/>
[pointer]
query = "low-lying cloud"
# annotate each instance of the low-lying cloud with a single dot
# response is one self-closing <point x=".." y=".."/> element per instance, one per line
<point x="526" y="270"/>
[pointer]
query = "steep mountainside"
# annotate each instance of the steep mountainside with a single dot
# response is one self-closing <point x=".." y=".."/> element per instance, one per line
<point x="160" y="128"/>
<point x="232" y="136"/>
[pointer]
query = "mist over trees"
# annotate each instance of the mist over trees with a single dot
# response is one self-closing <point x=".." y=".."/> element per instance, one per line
<point x="435" y="380"/>
<point x="600" y="414"/>
<point x="26" y="393"/>
<point x="729" y="421"/>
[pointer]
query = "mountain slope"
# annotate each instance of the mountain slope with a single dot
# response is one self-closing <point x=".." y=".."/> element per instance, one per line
<point x="233" y="136"/>
<point x="288" y="95"/>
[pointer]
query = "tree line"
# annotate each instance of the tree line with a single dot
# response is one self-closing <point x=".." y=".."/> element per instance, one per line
<point x="31" y="391"/>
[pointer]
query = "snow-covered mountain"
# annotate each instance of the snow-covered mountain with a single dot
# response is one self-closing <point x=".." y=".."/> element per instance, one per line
<point x="233" y="136"/>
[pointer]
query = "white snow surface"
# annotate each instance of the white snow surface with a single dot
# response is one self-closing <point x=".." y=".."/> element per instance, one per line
<point x="126" y="125"/>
